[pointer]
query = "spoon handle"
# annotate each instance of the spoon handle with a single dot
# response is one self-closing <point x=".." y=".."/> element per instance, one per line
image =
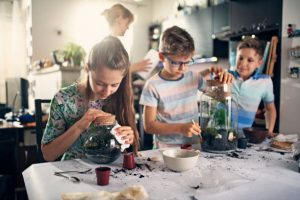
<point x="71" y="178"/>
<point x="74" y="171"/>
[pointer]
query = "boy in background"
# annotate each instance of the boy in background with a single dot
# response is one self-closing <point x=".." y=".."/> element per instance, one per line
<point x="249" y="87"/>
<point x="170" y="96"/>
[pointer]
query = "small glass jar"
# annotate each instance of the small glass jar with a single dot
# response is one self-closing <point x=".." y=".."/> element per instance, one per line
<point x="101" y="146"/>
<point x="218" y="118"/>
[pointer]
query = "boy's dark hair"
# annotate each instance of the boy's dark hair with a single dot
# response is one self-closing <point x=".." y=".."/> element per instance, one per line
<point x="252" y="43"/>
<point x="176" y="41"/>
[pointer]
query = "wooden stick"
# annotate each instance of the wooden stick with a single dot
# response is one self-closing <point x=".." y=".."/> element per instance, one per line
<point x="274" y="55"/>
<point x="270" y="55"/>
<point x="200" y="136"/>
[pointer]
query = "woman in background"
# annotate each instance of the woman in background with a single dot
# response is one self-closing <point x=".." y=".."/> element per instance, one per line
<point x="119" y="18"/>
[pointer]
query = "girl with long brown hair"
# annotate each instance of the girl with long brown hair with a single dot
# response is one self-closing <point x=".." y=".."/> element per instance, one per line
<point x="108" y="86"/>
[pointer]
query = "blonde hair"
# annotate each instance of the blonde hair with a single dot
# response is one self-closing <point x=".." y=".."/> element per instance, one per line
<point x="117" y="10"/>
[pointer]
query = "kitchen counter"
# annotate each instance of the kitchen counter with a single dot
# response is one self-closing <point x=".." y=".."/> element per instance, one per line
<point x="249" y="174"/>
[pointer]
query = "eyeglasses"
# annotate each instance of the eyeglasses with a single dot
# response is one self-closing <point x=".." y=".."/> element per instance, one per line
<point x="179" y="63"/>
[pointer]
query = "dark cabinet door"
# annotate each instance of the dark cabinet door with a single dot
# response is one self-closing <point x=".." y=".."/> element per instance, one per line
<point x="220" y="18"/>
<point x="253" y="15"/>
<point x="7" y="154"/>
<point x="199" y="25"/>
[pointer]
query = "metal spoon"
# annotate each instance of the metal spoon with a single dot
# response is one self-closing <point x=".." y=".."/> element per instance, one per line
<point x="74" y="179"/>
<point x="74" y="171"/>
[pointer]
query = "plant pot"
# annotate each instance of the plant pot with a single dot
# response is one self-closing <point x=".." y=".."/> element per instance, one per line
<point x="255" y="135"/>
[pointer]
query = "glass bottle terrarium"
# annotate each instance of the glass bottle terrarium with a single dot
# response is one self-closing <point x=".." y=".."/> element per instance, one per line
<point x="218" y="118"/>
<point x="101" y="146"/>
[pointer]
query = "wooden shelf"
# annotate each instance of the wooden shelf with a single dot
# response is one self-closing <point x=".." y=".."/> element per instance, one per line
<point x="267" y="31"/>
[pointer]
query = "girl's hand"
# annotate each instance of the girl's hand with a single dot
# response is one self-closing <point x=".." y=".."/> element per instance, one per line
<point x="89" y="117"/>
<point x="190" y="129"/>
<point x="126" y="133"/>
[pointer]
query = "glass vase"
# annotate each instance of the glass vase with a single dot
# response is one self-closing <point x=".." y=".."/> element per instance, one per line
<point x="101" y="146"/>
<point x="218" y="118"/>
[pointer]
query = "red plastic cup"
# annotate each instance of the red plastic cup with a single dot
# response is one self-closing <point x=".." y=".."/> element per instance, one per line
<point x="186" y="146"/>
<point x="102" y="174"/>
<point x="128" y="161"/>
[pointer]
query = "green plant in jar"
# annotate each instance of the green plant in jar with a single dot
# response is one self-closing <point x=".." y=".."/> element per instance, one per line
<point x="216" y="120"/>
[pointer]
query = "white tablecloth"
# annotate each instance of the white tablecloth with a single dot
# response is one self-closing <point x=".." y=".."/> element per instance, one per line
<point x="253" y="175"/>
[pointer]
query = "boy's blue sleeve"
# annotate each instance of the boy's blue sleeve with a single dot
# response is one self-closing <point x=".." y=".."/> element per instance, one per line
<point x="269" y="94"/>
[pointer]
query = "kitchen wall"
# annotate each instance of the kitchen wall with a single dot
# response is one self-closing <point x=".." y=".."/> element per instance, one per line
<point x="162" y="9"/>
<point x="12" y="43"/>
<point x="290" y="88"/>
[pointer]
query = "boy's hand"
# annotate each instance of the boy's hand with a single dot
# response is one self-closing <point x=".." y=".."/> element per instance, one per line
<point x="225" y="77"/>
<point x="271" y="135"/>
<point x="221" y="74"/>
<point x="190" y="129"/>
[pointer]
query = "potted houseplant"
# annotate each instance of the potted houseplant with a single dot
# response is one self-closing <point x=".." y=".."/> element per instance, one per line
<point x="74" y="54"/>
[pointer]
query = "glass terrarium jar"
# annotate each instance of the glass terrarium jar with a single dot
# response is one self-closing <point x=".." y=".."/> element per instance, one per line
<point x="218" y="118"/>
<point x="101" y="146"/>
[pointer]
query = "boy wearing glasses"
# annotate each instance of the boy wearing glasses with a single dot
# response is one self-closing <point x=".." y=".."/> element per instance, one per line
<point x="170" y="96"/>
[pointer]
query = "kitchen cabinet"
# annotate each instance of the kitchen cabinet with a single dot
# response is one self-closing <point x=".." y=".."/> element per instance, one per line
<point x="199" y="24"/>
<point x="46" y="82"/>
<point x="208" y="27"/>
<point x="220" y="29"/>
<point x="254" y="15"/>
<point x="154" y="34"/>
<point x="220" y="15"/>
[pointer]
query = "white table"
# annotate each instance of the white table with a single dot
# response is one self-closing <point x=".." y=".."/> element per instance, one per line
<point x="254" y="175"/>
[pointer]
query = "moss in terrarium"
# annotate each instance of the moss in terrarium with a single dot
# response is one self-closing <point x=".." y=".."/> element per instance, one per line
<point x="211" y="131"/>
<point x="219" y="117"/>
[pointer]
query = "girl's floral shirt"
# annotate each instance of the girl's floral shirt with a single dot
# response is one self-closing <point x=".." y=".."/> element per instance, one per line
<point x="67" y="107"/>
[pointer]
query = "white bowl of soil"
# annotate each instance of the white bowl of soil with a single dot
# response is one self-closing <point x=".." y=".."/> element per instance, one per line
<point x="180" y="159"/>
